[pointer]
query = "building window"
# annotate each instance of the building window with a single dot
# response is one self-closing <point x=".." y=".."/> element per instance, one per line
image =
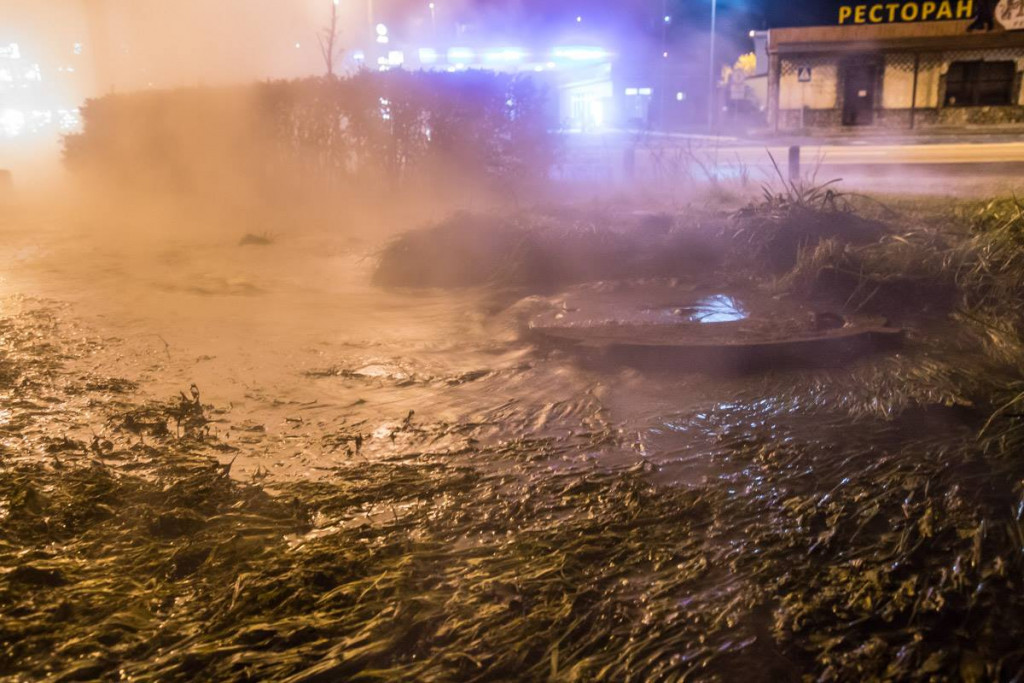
<point x="974" y="84"/>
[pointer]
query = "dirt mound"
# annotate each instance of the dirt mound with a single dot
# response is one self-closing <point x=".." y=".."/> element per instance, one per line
<point x="465" y="250"/>
<point x="539" y="251"/>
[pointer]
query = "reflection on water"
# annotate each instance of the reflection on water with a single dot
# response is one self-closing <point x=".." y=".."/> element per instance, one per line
<point x="718" y="308"/>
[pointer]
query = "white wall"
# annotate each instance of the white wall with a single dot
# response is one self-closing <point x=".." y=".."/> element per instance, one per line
<point x="819" y="93"/>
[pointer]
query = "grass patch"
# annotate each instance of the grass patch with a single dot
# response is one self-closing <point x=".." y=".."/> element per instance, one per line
<point x="823" y="555"/>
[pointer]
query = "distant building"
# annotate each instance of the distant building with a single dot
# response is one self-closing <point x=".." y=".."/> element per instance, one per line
<point x="615" y="65"/>
<point x="900" y="66"/>
<point x="45" y="72"/>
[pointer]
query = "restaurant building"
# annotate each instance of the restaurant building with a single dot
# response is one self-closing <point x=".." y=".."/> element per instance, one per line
<point x="901" y="66"/>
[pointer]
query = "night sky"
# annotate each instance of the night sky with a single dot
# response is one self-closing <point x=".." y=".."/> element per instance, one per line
<point x="547" y="16"/>
<point x="735" y="17"/>
<point x="605" y="21"/>
<point x="754" y="13"/>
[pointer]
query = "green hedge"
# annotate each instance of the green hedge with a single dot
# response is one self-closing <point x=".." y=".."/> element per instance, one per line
<point x="366" y="136"/>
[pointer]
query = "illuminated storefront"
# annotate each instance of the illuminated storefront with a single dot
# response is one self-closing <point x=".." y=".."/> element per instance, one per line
<point x="908" y="65"/>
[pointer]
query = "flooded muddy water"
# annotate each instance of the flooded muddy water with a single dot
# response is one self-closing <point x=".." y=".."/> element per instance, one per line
<point x="452" y="500"/>
<point x="293" y="345"/>
<point x="289" y="339"/>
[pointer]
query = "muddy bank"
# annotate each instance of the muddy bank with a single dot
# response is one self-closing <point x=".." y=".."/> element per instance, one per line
<point x="550" y="247"/>
<point x="539" y="251"/>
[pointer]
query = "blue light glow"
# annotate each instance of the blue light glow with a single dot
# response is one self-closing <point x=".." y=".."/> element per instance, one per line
<point x="459" y="55"/>
<point x="505" y="54"/>
<point x="428" y="55"/>
<point x="580" y="53"/>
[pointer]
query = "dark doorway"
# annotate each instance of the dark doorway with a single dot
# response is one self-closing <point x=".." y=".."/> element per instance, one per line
<point x="860" y="81"/>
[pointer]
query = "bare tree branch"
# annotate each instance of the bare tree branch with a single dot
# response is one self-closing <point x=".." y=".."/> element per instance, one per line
<point x="328" y="37"/>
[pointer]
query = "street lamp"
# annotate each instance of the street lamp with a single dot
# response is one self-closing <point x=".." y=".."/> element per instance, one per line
<point x="663" y="86"/>
<point x="712" y="105"/>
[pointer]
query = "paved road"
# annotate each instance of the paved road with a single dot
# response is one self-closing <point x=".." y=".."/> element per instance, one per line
<point x="890" y="154"/>
<point x="969" y="150"/>
<point x="980" y="162"/>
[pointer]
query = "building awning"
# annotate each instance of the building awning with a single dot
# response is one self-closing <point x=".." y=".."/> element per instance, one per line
<point x="909" y="37"/>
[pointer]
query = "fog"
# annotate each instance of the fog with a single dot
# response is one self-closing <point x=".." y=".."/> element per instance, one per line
<point x="89" y="48"/>
<point x="147" y="43"/>
<point x="450" y="374"/>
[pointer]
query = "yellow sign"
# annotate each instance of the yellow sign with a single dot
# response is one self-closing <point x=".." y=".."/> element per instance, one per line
<point x="893" y="12"/>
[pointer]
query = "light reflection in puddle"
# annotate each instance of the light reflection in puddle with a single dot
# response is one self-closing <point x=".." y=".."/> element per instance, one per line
<point x="378" y="371"/>
<point x="718" y="308"/>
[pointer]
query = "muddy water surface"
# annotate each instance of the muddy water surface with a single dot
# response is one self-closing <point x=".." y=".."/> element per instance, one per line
<point x="830" y="522"/>
<point x="291" y="342"/>
<point x="294" y="347"/>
